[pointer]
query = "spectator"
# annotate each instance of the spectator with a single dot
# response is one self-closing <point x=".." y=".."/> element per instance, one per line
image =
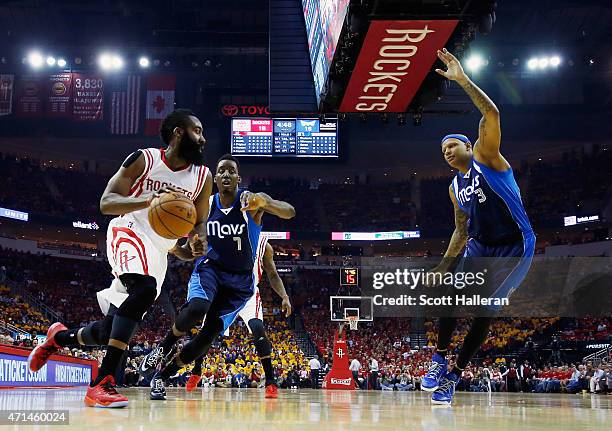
<point x="512" y="378"/>
<point x="574" y="384"/>
<point x="555" y="347"/>
<point x="315" y="366"/>
<point x="525" y="374"/>
<point x="599" y="377"/>
<point x="355" y="367"/>
<point x="405" y="382"/>
<point x="374" y="374"/>
<point x="386" y="383"/>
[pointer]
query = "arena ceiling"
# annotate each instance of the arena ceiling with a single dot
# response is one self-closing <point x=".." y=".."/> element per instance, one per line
<point x="196" y="23"/>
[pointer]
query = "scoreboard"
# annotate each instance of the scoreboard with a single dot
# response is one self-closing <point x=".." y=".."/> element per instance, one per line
<point x="349" y="277"/>
<point x="285" y="137"/>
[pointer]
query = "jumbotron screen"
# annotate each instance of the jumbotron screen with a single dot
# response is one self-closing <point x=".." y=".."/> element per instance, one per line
<point x="285" y="137"/>
<point x="324" y="20"/>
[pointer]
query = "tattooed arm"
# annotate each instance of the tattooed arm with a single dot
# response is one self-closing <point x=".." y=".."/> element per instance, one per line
<point x="460" y="234"/>
<point x="458" y="239"/>
<point x="486" y="148"/>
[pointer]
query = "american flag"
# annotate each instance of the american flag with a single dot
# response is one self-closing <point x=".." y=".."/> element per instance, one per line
<point x="125" y="106"/>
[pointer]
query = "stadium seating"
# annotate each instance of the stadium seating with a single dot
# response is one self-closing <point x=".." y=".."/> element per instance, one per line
<point x="322" y="206"/>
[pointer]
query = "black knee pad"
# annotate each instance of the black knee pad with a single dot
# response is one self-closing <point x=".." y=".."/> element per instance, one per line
<point x="257" y="328"/>
<point x="98" y="332"/>
<point x="142" y="290"/>
<point x="123" y="329"/>
<point x="262" y="344"/>
<point x="191" y="314"/>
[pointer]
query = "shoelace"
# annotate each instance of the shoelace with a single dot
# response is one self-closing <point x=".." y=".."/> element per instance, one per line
<point x="159" y="384"/>
<point x="434" y="368"/>
<point x="110" y="389"/>
<point x="446" y="384"/>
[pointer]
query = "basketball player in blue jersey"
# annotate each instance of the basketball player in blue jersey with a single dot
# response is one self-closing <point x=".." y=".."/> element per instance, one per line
<point x="490" y="222"/>
<point x="223" y="281"/>
<point x="252" y="316"/>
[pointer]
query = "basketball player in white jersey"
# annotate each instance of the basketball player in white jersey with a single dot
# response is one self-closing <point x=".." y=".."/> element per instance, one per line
<point x="136" y="254"/>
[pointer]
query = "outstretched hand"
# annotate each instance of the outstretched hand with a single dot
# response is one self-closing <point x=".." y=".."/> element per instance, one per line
<point x="453" y="71"/>
<point x="251" y="201"/>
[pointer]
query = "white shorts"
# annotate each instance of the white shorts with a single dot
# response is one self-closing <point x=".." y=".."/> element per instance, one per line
<point x="252" y="310"/>
<point x="128" y="250"/>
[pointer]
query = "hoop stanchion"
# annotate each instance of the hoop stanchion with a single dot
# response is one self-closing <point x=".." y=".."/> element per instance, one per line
<point x="340" y="377"/>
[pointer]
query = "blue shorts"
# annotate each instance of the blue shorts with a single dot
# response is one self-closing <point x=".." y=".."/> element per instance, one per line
<point x="506" y="265"/>
<point x="227" y="292"/>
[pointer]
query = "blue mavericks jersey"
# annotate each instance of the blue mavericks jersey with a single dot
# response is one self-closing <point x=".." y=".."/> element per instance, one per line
<point x="492" y="200"/>
<point x="233" y="237"/>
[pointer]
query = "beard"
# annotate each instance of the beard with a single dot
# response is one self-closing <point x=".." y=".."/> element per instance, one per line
<point x="190" y="151"/>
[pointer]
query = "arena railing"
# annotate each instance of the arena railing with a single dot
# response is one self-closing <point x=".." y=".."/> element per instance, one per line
<point x="48" y="312"/>
<point x="598" y="357"/>
<point x="7" y="327"/>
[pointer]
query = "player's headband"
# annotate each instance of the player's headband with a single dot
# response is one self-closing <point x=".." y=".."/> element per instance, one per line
<point x="459" y="136"/>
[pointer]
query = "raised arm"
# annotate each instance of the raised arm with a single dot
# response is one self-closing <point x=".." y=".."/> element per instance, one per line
<point x="486" y="148"/>
<point x="275" y="281"/>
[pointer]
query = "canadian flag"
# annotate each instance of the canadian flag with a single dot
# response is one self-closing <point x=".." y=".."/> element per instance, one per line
<point x="160" y="101"/>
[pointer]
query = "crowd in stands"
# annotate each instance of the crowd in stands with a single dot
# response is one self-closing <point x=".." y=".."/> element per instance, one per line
<point x="68" y="286"/>
<point x="588" y="328"/>
<point x="506" y="334"/>
<point x="576" y="183"/>
<point x="232" y="360"/>
<point x="19" y="313"/>
<point x="360" y="207"/>
<point x="502" y="377"/>
<point x="550" y="198"/>
<point x="51" y="191"/>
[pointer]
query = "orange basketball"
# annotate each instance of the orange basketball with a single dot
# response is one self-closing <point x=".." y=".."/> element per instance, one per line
<point x="172" y="215"/>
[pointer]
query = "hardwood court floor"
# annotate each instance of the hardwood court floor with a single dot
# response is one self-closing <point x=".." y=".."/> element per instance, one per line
<point x="248" y="410"/>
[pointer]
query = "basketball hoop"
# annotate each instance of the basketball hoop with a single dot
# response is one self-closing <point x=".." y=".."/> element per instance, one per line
<point x="353" y="320"/>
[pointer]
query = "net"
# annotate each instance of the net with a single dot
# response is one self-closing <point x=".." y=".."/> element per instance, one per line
<point x="353" y="320"/>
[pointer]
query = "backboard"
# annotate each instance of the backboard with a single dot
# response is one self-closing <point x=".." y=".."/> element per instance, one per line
<point x="343" y="307"/>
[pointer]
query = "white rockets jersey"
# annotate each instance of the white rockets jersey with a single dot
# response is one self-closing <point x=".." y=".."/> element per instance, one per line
<point x="156" y="175"/>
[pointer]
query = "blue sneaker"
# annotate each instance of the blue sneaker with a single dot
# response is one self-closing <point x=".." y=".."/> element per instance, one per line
<point x="436" y="370"/>
<point x="444" y="394"/>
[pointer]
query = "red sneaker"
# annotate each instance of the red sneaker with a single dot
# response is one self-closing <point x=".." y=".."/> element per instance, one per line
<point x="271" y="391"/>
<point x="192" y="383"/>
<point x="40" y="355"/>
<point x="105" y="395"/>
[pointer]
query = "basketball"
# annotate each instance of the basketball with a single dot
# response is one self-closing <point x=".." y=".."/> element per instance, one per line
<point x="172" y="215"/>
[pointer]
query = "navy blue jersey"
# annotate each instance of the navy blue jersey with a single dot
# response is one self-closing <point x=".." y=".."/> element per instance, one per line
<point x="234" y="238"/>
<point x="492" y="201"/>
